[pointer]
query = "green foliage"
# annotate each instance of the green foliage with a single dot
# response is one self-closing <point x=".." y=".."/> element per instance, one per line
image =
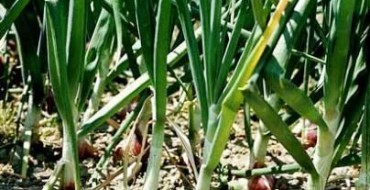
<point x="280" y="60"/>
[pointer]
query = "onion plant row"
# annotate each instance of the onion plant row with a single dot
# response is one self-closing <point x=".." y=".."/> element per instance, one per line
<point x="285" y="62"/>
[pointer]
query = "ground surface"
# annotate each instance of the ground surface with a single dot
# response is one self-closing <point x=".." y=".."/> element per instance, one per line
<point x="175" y="173"/>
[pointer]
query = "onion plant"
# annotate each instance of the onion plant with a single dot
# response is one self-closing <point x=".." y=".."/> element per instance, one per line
<point x="159" y="81"/>
<point x="62" y="59"/>
<point x="282" y="61"/>
<point x="31" y="54"/>
<point x="363" y="182"/>
<point x="221" y="115"/>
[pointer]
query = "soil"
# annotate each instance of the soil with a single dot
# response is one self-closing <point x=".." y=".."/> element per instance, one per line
<point x="174" y="174"/>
